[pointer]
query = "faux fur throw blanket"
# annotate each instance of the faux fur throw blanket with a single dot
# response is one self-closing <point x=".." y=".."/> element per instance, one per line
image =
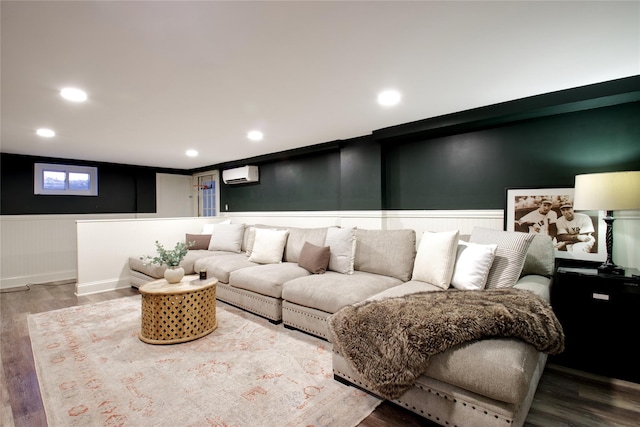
<point x="389" y="342"/>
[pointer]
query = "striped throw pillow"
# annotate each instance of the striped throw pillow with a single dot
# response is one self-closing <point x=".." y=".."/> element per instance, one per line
<point x="510" y="254"/>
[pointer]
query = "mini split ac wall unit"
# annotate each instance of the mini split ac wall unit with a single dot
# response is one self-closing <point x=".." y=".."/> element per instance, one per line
<point x="241" y="175"/>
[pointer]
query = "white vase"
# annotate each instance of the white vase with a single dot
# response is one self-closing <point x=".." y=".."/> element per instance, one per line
<point x="174" y="274"/>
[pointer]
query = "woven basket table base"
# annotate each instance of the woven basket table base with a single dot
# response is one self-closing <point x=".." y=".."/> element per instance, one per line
<point x="178" y="313"/>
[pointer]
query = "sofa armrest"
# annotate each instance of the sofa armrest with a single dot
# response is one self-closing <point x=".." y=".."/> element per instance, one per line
<point x="539" y="285"/>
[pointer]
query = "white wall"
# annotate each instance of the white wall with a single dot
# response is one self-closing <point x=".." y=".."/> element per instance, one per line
<point x="174" y="194"/>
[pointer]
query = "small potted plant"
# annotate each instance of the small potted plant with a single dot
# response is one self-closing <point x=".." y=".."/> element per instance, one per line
<point x="171" y="258"/>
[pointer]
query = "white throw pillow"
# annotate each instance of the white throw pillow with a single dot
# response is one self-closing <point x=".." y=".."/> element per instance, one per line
<point x="251" y="239"/>
<point x="436" y="258"/>
<point x="226" y="237"/>
<point x="268" y="246"/>
<point x="473" y="262"/>
<point x="510" y="254"/>
<point x="208" y="228"/>
<point x="342" y="243"/>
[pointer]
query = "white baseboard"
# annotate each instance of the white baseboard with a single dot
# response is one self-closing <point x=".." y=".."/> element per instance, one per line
<point x="35" y="279"/>
<point x="96" y="287"/>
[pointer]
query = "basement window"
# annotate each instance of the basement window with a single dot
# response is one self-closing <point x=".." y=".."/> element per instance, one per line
<point x="65" y="180"/>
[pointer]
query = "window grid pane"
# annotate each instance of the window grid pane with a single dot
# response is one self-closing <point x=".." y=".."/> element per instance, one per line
<point x="207" y="187"/>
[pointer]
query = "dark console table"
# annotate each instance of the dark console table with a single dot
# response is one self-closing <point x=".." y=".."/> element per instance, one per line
<point x="600" y="315"/>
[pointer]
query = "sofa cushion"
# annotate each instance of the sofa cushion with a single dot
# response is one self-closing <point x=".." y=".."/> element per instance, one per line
<point x="157" y="271"/>
<point x="387" y="252"/>
<point x="266" y="279"/>
<point x="188" y="262"/>
<point x="539" y="285"/>
<point x="540" y="257"/>
<point x="436" y="258"/>
<point x="226" y="237"/>
<point x="148" y="269"/>
<point x="407" y="288"/>
<point x="473" y="263"/>
<point x="314" y="259"/>
<point x="510" y="254"/>
<point x="200" y="241"/>
<point x="498" y="368"/>
<point x="268" y="246"/>
<point x="221" y="266"/>
<point x="342" y="242"/>
<point x="332" y="291"/>
<point x="298" y="237"/>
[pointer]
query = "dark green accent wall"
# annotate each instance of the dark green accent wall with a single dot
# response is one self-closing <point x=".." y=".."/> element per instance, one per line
<point x="309" y="182"/>
<point x="472" y="170"/>
<point x="361" y="175"/>
<point x="121" y="189"/>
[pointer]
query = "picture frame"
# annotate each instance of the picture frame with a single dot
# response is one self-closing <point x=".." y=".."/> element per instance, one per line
<point x="522" y="201"/>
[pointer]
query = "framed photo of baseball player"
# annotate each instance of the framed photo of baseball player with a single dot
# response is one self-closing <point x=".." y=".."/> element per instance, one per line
<point x="576" y="235"/>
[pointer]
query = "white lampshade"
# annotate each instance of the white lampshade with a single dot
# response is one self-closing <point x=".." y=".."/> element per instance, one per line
<point x="607" y="191"/>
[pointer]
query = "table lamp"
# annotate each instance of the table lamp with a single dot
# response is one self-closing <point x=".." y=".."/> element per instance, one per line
<point x="608" y="192"/>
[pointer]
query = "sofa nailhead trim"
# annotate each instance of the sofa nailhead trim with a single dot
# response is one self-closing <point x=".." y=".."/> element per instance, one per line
<point x="454" y="400"/>
<point x="311" y="331"/>
<point x="249" y="309"/>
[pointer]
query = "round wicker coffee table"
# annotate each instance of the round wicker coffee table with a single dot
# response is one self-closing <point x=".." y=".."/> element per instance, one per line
<point x="175" y="313"/>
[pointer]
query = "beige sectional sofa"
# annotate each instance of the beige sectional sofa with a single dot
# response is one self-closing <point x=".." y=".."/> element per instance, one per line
<point x="487" y="382"/>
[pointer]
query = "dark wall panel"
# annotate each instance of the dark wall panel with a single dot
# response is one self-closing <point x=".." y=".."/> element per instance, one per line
<point x="301" y="183"/>
<point x="361" y="175"/>
<point x="121" y="189"/>
<point x="472" y="170"/>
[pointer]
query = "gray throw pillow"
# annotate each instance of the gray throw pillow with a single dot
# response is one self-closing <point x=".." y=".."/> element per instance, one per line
<point x="226" y="237"/>
<point x="314" y="259"/>
<point x="510" y="254"/>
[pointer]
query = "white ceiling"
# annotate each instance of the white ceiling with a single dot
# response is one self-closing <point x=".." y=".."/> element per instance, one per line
<point x="164" y="77"/>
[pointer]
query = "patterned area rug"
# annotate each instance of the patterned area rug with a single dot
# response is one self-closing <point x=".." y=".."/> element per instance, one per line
<point x="93" y="370"/>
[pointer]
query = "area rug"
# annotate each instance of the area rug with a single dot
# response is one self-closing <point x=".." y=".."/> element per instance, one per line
<point x="93" y="370"/>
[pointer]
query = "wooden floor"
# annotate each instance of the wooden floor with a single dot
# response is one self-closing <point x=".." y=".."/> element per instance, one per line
<point x="564" y="397"/>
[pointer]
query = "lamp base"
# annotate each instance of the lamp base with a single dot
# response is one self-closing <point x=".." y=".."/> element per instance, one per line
<point x="611" y="269"/>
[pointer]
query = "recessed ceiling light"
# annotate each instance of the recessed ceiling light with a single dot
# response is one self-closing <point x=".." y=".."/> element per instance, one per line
<point x="192" y="153"/>
<point x="45" y="133"/>
<point x="73" y="94"/>
<point x="389" y="98"/>
<point x="255" y="135"/>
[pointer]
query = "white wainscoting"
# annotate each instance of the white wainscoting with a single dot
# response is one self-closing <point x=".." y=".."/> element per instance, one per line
<point x="40" y="248"/>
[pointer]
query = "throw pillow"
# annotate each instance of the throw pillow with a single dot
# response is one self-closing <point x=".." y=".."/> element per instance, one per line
<point x="208" y="228"/>
<point x="473" y="262"/>
<point x="226" y="237"/>
<point x="314" y="259"/>
<point x="342" y="242"/>
<point x="201" y="241"/>
<point x="540" y="256"/>
<point x="436" y="258"/>
<point x="251" y="239"/>
<point x="510" y="254"/>
<point x="268" y="246"/>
